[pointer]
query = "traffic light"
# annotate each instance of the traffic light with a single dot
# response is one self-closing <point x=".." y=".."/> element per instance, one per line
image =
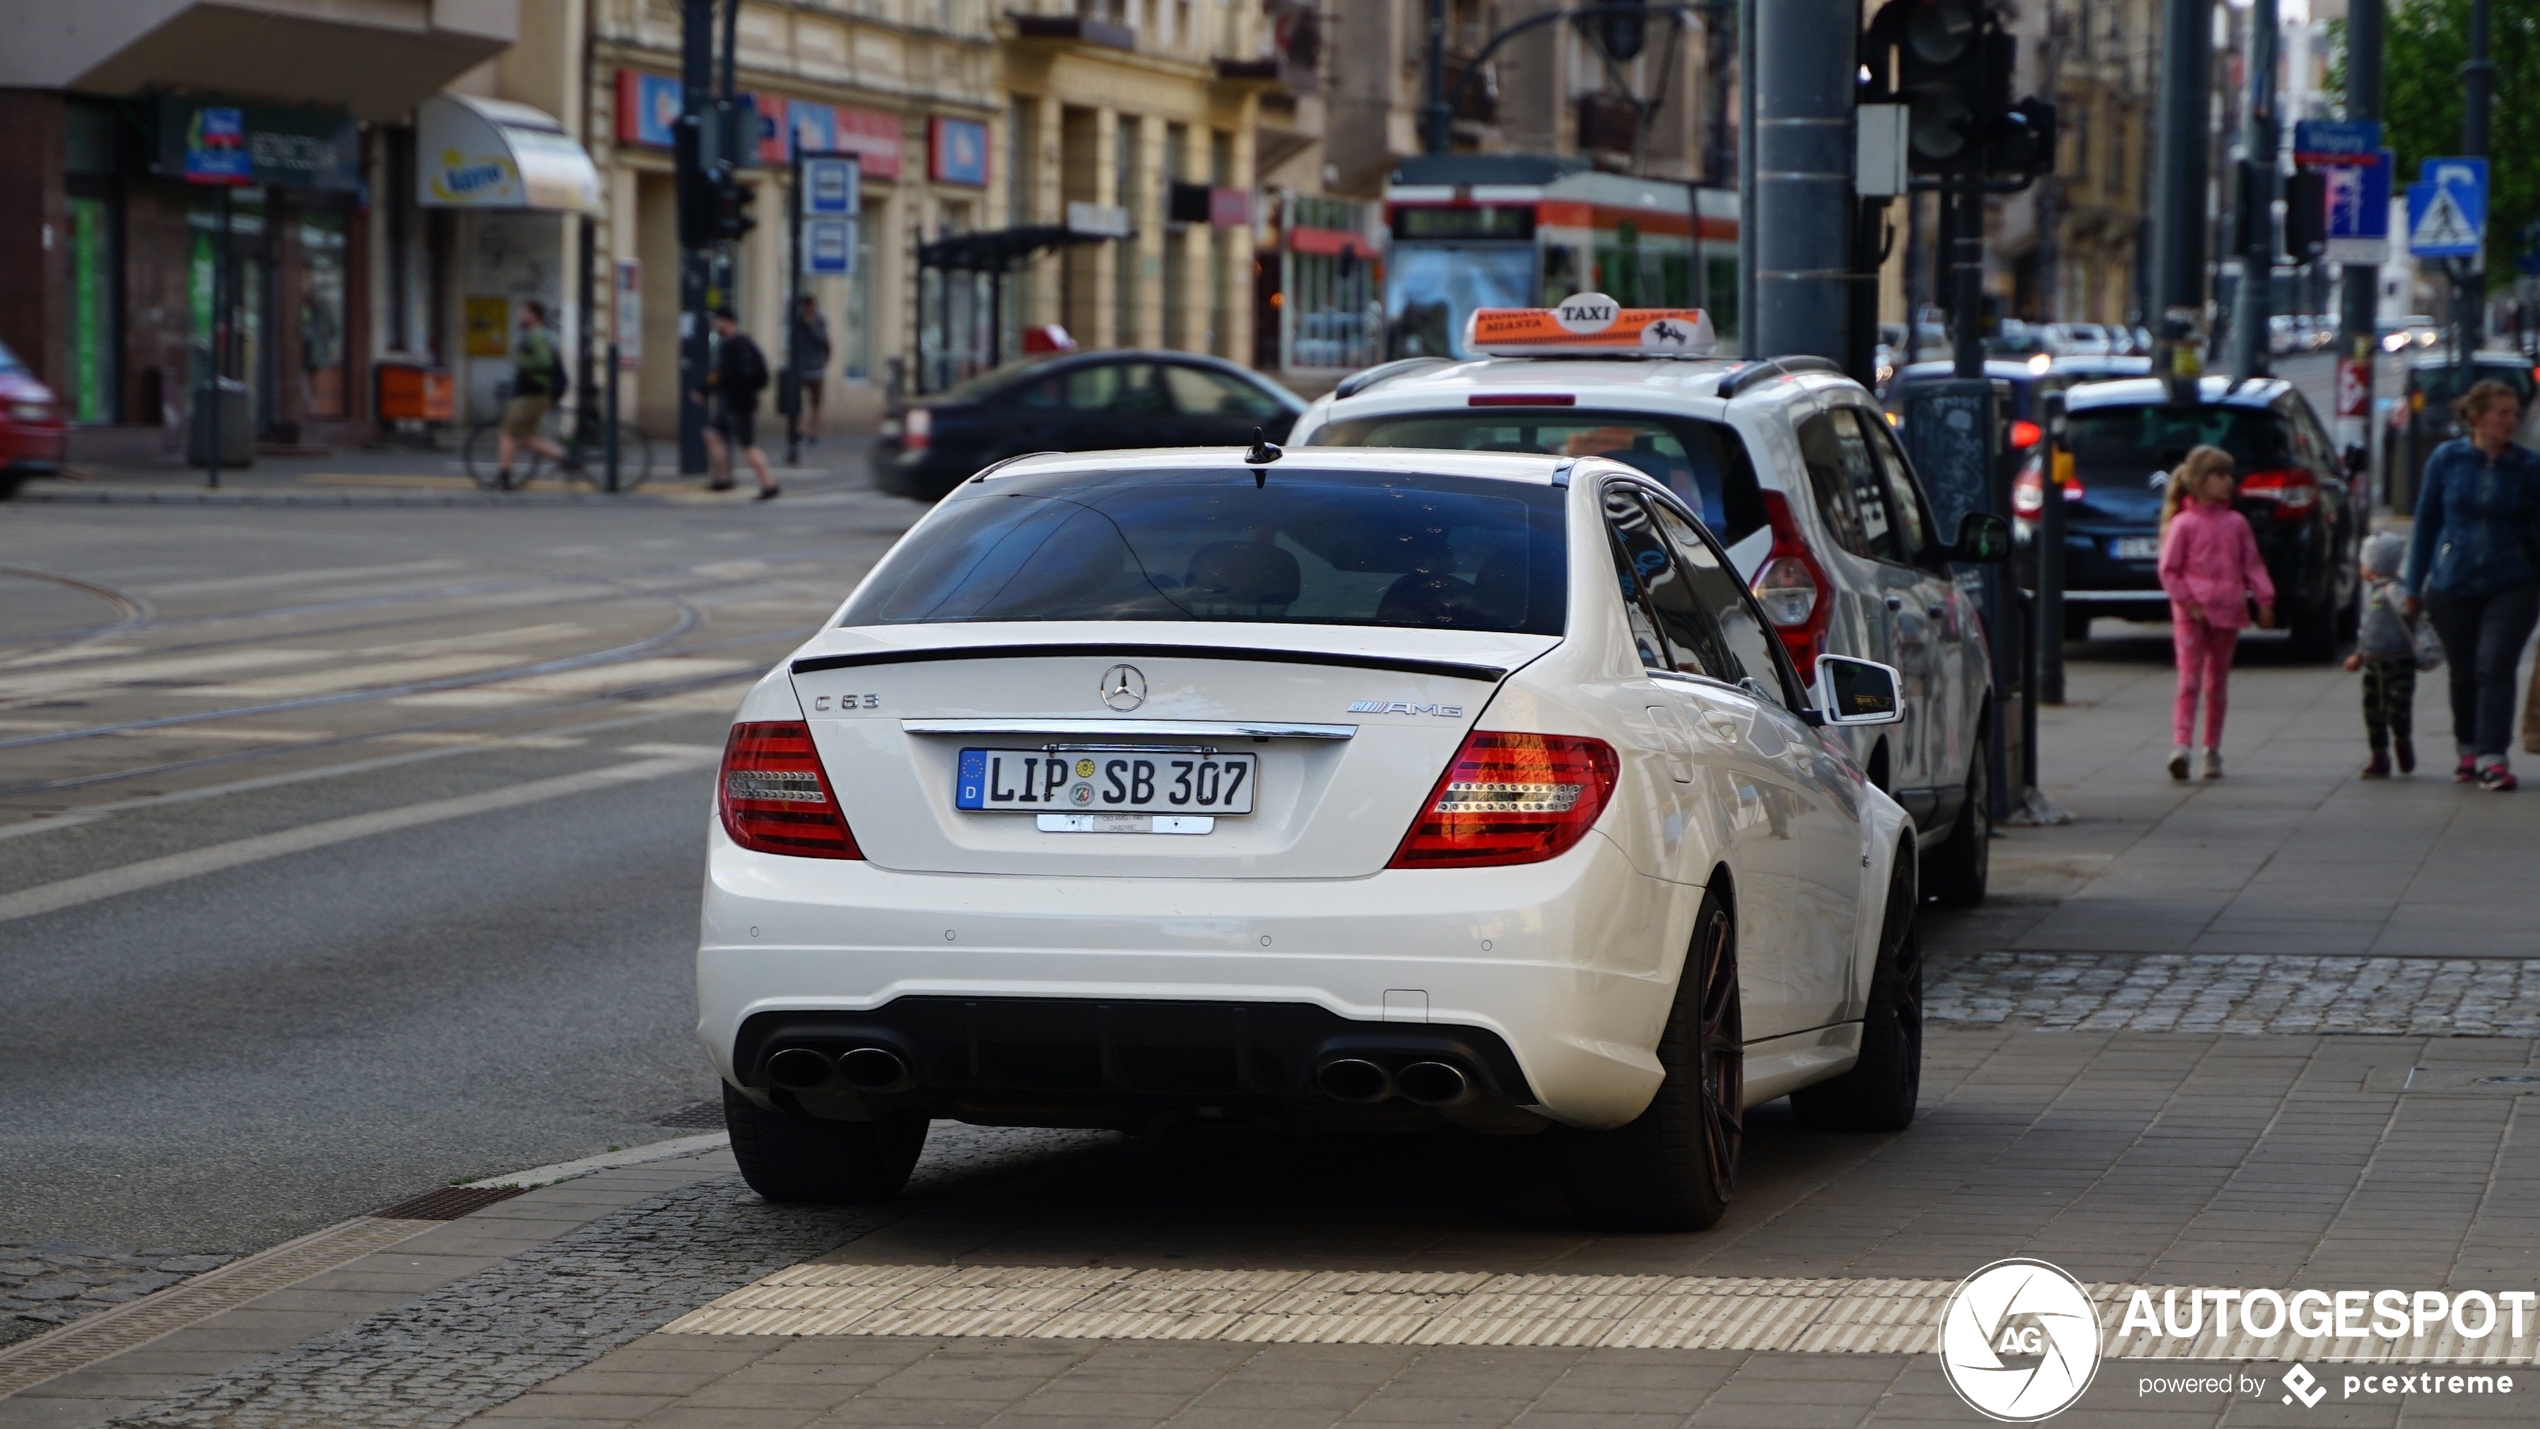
<point x="691" y="162"/>
<point x="1951" y="64"/>
<point x="733" y="200"/>
<point x="2305" y="215"/>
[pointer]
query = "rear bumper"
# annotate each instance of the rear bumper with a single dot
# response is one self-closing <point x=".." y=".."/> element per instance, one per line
<point x="1567" y="967"/>
<point x="30" y="450"/>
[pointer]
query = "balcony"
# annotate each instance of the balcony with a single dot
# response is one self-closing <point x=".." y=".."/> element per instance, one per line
<point x="378" y="59"/>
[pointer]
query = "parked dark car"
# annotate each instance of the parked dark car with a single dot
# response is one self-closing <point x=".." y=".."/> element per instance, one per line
<point x="1085" y="401"/>
<point x="2126" y="436"/>
<point x="30" y="426"/>
<point x="2421" y="419"/>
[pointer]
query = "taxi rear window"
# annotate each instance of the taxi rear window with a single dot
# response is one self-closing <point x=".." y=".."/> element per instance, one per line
<point x="1704" y="463"/>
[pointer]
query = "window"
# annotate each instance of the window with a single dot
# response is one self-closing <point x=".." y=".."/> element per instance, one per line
<point x="1302" y="547"/>
<point x="1200" y="391"/>
<point x="1703" y="463"/>
<point x="1637" y="552"/>
<point x="1747" y="644"/>
<point x="1848" y="485"/>
<point x="1653" y="579"/>
<point x="1904" y="498"/>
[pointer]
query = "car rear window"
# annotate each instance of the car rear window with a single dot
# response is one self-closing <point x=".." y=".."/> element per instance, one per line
<point x="2154" y="437"/>
<point x="1704" y="463"/>
<point x="2444" y="384"/>
<point x="1297" y="547"/>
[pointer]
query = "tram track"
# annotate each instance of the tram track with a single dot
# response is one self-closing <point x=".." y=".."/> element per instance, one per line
<point x="136" y="614"/>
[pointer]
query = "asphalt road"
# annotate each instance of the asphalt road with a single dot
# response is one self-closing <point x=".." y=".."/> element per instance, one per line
<point x="326" y="1022"/>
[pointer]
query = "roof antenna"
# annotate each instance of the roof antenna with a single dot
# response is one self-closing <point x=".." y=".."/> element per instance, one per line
<point x="1261" y="455"/>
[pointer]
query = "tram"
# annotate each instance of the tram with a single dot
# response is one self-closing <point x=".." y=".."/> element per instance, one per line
<point x="1520" y="231"/>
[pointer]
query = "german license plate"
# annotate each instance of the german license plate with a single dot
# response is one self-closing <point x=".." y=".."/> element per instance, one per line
<point x="1159" y="781"/>
<point x="2135" y="548"/>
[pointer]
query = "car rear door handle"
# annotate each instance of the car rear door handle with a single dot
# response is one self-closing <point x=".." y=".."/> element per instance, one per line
<point x="1896" y="602"/>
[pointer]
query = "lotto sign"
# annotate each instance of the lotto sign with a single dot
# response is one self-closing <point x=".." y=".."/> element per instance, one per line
<point x="1591" y="323"/>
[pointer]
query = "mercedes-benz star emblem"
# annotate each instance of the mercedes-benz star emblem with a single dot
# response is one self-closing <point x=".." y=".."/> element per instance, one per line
<point x="1123" y="688"/>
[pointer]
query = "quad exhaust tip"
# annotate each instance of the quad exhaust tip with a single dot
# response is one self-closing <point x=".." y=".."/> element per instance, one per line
<point x="1353" y="1079"/>
<point x="799" y="1069"/>
<point x="873" y="1069"/>
<point x="1433" y="1083"/>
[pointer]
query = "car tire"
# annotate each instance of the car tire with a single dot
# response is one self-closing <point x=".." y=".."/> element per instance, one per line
<point x="789" y="1157"/>
<point x="1962" y="867"/>
<point x="1674" y="1167"/>
<point x="1880" y="1092"/>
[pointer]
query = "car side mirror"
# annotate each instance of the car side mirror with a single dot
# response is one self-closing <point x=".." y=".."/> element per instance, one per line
<point x="1984" y="539"/>
<point x="1851" y="691"/>
<point x="2356" y="460"/>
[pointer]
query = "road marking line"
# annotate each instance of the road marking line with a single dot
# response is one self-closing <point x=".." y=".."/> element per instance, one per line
<point x="125" y="1327"/>
<point x="284" y="578"/>
<point x="1705" y="1312"/>
<point x="150" y="873"/>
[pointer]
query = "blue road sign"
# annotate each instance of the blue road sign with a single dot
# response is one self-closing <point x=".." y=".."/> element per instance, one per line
<point x="2336" y="141"/>
<point x="829" y="246"/>
<point x="2447" y="209"/>
<point x="2359" y="210"/>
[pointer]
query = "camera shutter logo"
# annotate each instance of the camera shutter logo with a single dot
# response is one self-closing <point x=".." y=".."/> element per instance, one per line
<point x="2019" y="1341"/>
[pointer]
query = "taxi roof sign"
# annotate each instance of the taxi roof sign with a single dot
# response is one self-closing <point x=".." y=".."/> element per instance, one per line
<point x="1590" y="325"/>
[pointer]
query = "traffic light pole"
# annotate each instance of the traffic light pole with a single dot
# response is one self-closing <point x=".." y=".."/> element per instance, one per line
<point x="2255" y="300"/>
<point x="2478" y="101"/>
<point x="2178" y="224"/>
<point x="1804" y="210"/>
<point x="2360" y="303"/>
<point x="696" y="350"/>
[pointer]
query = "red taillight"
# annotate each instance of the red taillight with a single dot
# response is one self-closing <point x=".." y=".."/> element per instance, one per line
<point x="916" y="429"/>
<point x="2293" y="490"/>
<point x="775" y="797"/>
<point x="2025" y="435"/>
<point x="2028" y="491"/>
<point x="1511" y="798"/>
<point x="1522" y="399"/>
<point x="1792" y="587"/>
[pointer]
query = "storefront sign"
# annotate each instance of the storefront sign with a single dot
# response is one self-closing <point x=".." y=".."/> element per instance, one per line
<point x="957" y="151"/>
<point x="207" y="142"/>
<point x="491" y="153"/>
<point x="648" y="107"/>
<point x="1229" y="207"/>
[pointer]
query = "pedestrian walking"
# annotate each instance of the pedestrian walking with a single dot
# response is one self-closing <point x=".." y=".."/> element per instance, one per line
<point x="2211" y="569"/>
<point x="811" y="368"/>
<point x="739" y="376"/>
<point x="538" y="379"/>
<point x="2390" y="647"/>
<point x="2474" y="568"/>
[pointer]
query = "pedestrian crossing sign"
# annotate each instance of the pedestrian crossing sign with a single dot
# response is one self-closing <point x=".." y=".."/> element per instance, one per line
<point x="2447" y="209"/>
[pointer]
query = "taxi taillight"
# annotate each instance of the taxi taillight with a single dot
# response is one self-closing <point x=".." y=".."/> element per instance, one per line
<point x="1792" y="587"/>
<point x="1511" y="798"/>
<point x="775" y="798"/>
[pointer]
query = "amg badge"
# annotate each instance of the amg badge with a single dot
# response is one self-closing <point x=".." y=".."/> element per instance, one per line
<point x="1398" y="707"/>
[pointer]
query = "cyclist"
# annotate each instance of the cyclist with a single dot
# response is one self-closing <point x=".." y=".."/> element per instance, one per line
<point x="740" y="374"/>
<point x="537" y="381"/>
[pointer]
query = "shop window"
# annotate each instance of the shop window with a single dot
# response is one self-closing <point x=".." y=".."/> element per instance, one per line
<point x="322" y="315"/>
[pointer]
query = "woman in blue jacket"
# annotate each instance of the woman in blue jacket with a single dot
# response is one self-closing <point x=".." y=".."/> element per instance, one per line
<point x="2474" y="564"/>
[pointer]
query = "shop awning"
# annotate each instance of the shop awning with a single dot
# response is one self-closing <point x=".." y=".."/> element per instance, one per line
<point x="494" y="154"/>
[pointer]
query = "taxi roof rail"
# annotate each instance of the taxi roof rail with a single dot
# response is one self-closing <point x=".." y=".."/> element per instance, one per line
<point x="1358" y="382"/>
<point x="1748" y="374"/>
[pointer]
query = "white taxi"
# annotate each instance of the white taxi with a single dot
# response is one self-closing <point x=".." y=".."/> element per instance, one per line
<point x="1364" y="789"/>
<point x="1791" y="464"/>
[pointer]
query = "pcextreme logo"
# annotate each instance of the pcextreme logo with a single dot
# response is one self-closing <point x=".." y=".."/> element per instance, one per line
<point x="2019" y="1341"/>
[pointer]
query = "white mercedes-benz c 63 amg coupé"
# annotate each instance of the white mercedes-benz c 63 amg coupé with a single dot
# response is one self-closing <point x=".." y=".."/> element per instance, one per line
<point x="1347" y="788"/>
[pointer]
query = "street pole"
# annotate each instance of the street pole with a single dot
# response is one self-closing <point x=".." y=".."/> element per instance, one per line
<point x="611" y="455"/>
<point x="2178" y="228"/>
<point x="696" y="353"/>
<point x="1747" y="346"/>
<point x="1963" y="218"/>
<point x="582" y="343"/>
<point x="1804" y="208"/>
<point x="219" y="336"/>
<point x="2478" y="101"/>
<point x="1437" y="121"/>
<point x="793" y="302"/>
<point x="2360" y="306"/>
<point x="2257" y="219"/>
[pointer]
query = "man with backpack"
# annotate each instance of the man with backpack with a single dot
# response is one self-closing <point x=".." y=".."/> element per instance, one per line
<point x="739" y="376"/>
<point x="538" y="379"/>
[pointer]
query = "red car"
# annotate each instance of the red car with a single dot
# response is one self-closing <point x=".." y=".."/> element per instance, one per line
<point x="30" y="426"/>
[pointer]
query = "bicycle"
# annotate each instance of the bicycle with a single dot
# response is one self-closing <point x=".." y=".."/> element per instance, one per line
<point x="585" y="454"/>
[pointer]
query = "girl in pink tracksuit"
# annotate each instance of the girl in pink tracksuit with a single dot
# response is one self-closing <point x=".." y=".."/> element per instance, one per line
<point x="2211" y="569"/>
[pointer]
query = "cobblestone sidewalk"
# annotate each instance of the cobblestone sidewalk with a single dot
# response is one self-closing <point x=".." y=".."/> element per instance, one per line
<point x="2114" y="992"/>
<point x="54" y="1283"/>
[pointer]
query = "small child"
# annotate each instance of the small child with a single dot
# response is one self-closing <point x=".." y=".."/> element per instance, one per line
<point x="2385" y="650"/>
<point x="2211" y="568"/>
